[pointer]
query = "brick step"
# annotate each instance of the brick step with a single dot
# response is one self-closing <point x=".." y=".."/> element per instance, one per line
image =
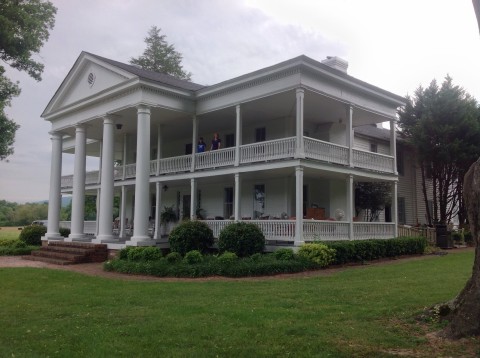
<point x="78" y="244"/>
<point x="49" y="260"/>
<point x="68" y="249"/>
<point x="60" y="255"/>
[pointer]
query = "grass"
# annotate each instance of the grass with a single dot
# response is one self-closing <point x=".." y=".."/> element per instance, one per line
<point x="8" y="233"/>
<point x="359" y="312"/>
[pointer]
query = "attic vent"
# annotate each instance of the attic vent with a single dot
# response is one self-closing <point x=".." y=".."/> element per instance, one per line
<point x="91" y="79"/>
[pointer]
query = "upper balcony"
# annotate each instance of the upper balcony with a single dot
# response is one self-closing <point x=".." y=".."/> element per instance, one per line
<point x="273" y="150"/>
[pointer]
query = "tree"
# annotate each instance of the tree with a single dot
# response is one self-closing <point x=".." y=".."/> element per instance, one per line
<point x="159" y="56"/>
<point x="442" y="125"/>
<point x="24" y="28"/>
<point x="372" y="198"/>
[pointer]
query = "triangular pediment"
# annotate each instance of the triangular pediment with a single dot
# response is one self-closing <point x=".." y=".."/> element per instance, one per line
<point x="88" y="77"/>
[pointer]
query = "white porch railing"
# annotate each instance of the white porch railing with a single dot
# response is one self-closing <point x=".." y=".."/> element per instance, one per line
<point x="182" y="163"/>
<point x="90" y="227"/>
<point x="372" y="161"/>
<point x="325" y="230"/>
<point x="215" y="158"/>
<point x="130" y="171"/>
<point x="279" y="230"/>
<point x="270" y="150"/>
<point x="369" y="230"/>
<point x="217" y="225"/>
<point x="325" y="151"/>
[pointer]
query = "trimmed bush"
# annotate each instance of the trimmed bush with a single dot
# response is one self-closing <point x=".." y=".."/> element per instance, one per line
<point x="320" y="254"/>
<point x="12" y="243"/>
<point x="173" y="257"/>
<point x="193" y="257"/>
<point x="257" y="256"/>
<point x="227" y="257"/>
<point x="147" y="253"/>
<point x="32" y="234"/>
<point x="123" y="253"/>
<point x="284" y="254"/>
<point x="244" y="239"/>
<point x="191" y="235"/>
<point x="64" y="231"/>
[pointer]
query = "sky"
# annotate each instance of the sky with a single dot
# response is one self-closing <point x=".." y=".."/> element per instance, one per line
<point x="395" y="45"/>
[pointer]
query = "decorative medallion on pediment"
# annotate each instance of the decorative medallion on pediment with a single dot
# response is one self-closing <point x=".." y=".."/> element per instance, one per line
<point x="91" y="79"/>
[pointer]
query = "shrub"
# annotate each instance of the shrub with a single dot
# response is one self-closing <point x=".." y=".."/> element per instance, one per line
<point x="64" y="231"/>
<point x="255" y="257"/>
<point x="147" y="253"/>
<point x="320" y="254"/>
<point x="12" y="243"/>
<point x="468" y="238"/>
<point x="32" y="234"/>
<point x="193" y="257"/>
<point x="227" y="257"/>
<point x="191" y="235"/>
<point x="123" y="253"/>
<point x="244" y="239"/>
<point x="284" y="254"/>
<point x="173" y="257"/>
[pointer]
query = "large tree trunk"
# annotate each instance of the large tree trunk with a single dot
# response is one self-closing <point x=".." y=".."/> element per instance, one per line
<point x="464" y="311"/>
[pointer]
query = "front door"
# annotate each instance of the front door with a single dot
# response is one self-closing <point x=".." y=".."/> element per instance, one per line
<point x="186" y="206"/>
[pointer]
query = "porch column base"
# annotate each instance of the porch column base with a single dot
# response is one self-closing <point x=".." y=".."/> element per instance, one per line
<point x="100" y="239"/>
<point x="52" y="237"/>
<point x="76" y="237"/>
<point x="141" y="241"/>
<point x="298" y="243"/>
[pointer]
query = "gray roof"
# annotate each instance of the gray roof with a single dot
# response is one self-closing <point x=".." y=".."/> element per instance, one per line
<point x="373" y="132"/>
<point x="152" y="75"/>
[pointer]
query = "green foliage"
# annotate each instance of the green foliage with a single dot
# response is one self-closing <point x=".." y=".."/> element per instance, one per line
<point x="168" y="215"/>
<point x="320" y="254"/>
<point x="161" y="57"/>
<point x="227" y="257"/>
<point x="140" y="253"/>
<point x="242" y="238"/>
<point x="12" y="243"/>
<point x="256" y="256"/>
<point x="13" y="214"/>
<point x="284" y="254"/>
<point x="441" y="124"/>
<point x="372" y="197"/>
<point x="173" y="257"/>
<point x="12" y="247"/>
<point x="367" y="250"/>
<point x="191" y="235"/>
<point x="32" y="234"/>
<point x="90" y="209"/>
<point x="64" y="231"/>
<point x="193" y="257"/>
<point x="8" y="128"/>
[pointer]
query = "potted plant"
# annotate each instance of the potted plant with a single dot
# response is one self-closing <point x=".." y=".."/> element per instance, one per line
<point x="168" y="218"/>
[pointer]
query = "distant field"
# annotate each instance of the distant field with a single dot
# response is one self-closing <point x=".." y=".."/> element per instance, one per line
<point x="9" y="232"/>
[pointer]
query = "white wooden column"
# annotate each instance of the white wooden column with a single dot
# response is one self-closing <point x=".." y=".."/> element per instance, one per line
<point x="158" y="203"/>
<point x="123" y="202"/>
<point x="300" y="147"/>
<point x="106" y="185"/>
<point x="298" y="206"/>
<point x="238" y="134"/>
<point x="193" y="199"/>
<point x="142" y="186"/>
<point x="54" y="199"/>
<point x="78" y="197"/>
<point x="99" y="179"/>
<point x="393" y="145"/>
<point x="395" y="207"/>
<point x="124" y="156"/>
<point x="159" y="148"/>
<point x="349" y="133"/>
<point x="238" y="197"/>
<point x="97" y="216"/>
<point x="194" y="141"/>
<point x="350" y="206"/>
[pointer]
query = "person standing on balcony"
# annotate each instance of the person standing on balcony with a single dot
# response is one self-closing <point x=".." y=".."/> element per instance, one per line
<point x="201" y="146"/>
<point x="216" y="142"/>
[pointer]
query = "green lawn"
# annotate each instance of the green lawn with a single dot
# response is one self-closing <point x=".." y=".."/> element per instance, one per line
<point x="362" y="312"/>
<point x="7" y="233"/>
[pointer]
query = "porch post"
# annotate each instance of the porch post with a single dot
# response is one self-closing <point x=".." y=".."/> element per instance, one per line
<point x="99" y="179"/>
<point x="124" y="156"/>
<point x="350" y="204"/>
<point x="122" y="211"/>
<point x="395" y="207"/>
<point x="158" y="204"/>
<point x="238" y="197"/>
<point x="349" y="133"/>
<point x="106" y="185"/>
<point x="193" y="199"/>
<point x="238" y="134"/>
<point x="159" y="147"/>
<point x="53" y="232"/>
<point x="393" y="144"/>
<point x="300" y="148"/>
<point x="97" y="217"/>
<point x="299" y="206"/>
<point x="78" y="197"/>
<point x="194" y="141"/>
<point x="142" y="187"/>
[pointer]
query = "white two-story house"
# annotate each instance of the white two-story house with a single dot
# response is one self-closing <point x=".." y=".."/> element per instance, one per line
<point x="287" y="159"/>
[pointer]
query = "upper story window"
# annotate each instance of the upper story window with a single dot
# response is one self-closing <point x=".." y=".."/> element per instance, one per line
<point x="374" y="147"/>
<point x="260" y="134"/>
<point x="229" y="140"/>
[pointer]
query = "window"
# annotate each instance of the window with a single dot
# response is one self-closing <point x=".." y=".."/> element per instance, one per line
<point x="260" y="134"/>
<point x="401" y="210"/>
<point x="229" y="140"/>
<point x="374" y="147"/>
<point x="400" y="163"/>
<point x="188" y="148"/>
<point x="228" y="203"/>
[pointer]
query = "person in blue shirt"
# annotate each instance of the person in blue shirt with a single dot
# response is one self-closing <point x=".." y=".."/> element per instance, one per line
<point x="201" y="146"/>
<point x="216" y="142"/>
